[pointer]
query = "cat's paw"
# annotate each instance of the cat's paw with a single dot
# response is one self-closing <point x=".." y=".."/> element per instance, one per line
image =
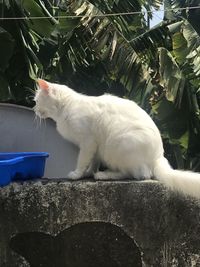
<point x="75" y="175"/>
<point x="88" y="174"/>
<point x="101" y="176"/>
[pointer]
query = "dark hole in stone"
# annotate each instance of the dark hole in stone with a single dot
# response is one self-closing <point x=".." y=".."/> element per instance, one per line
<point x="95" y="244"/>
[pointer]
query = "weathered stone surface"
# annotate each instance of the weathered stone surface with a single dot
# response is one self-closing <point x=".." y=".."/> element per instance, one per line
<point x="119" y="224"/>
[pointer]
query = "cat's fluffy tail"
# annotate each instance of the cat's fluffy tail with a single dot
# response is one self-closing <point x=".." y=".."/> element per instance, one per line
<point x="186" y="182"/>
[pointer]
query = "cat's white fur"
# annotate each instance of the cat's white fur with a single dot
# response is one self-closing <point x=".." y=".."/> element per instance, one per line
<point x="114" y="131"/>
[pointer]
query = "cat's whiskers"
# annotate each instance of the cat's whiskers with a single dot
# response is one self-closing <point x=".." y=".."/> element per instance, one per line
<point x="31" y="93"/>
<point x="44" y="122"/>
<point x="36" y="120"/>
<point x="39" y="122"/>
<point x="32" y="97"/>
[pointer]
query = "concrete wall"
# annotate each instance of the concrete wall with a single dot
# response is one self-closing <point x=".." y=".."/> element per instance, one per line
<point x="57" y="223"/>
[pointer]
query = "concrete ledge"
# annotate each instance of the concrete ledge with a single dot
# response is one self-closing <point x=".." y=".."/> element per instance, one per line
<point x="57" y="223"/>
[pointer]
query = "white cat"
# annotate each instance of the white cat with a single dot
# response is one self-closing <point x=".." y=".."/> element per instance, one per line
<point x="114" y="131"/>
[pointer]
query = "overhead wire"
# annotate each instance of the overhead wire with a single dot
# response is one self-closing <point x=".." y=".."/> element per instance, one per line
<point x="101" y="15"/>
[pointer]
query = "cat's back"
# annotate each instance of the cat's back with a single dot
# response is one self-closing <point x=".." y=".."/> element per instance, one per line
<point x="108" y="104"/>
<point x="116" y="106"/>
<point x="114" y="103"/>
<point x="108" y="111"/>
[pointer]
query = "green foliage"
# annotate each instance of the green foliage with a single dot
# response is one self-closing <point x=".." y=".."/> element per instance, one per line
<point x="159" y="68"/>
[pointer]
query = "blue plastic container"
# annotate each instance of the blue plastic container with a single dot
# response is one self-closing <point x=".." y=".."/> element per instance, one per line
<point x="21" y="166"/>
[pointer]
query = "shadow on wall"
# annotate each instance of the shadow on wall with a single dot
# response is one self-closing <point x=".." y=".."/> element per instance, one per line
<point x="82" y="245"/>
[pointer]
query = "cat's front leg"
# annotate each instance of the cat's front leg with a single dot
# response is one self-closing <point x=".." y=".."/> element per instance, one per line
<point x="92" y="169"/>
<point x="85" y="158"/>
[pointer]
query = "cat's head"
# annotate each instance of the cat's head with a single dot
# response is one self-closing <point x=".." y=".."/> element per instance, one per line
<point x="47" y="99"/>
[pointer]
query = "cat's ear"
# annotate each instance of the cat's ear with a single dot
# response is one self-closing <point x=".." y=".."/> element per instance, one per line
<point x="43" y="85"/>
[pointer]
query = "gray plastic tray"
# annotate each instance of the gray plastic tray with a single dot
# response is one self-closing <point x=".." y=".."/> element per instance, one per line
<point x="21" y="131"/>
